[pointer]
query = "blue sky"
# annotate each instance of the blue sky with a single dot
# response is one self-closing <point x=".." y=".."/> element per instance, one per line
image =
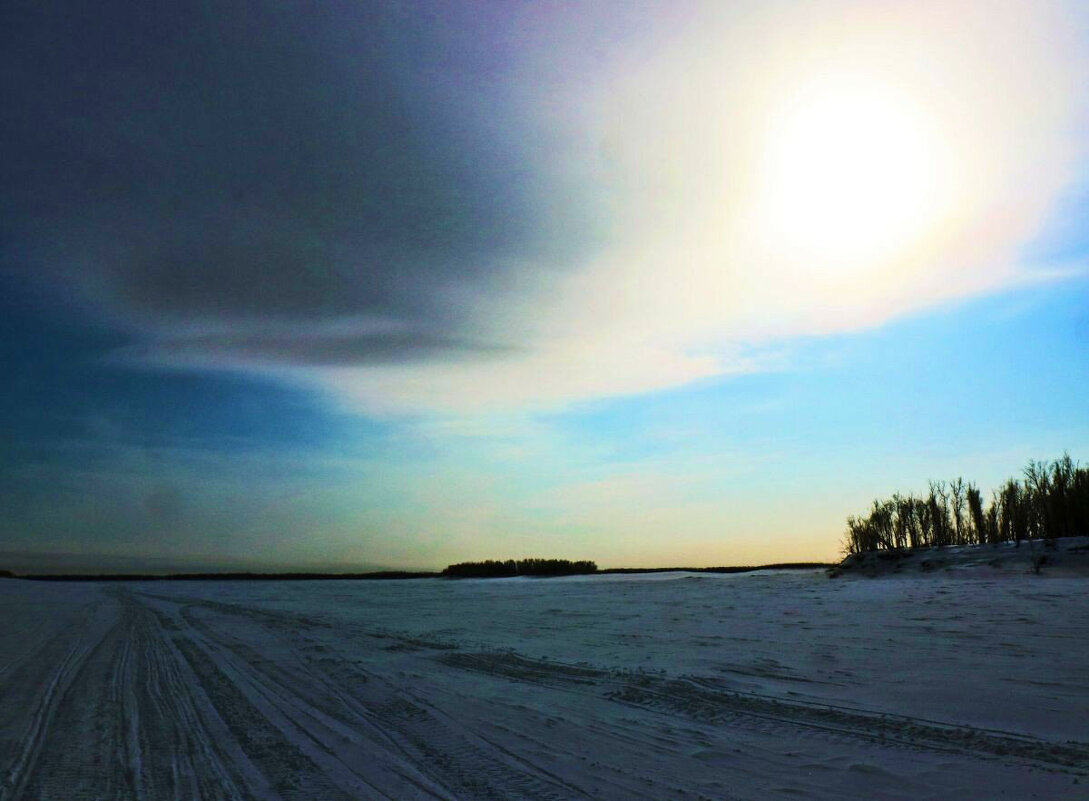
<point x="764" y="464"/>
<point x="398" y="286"/>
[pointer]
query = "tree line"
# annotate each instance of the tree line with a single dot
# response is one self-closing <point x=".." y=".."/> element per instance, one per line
<point x="1051" y="500"/>
<point x="492" y="568"/>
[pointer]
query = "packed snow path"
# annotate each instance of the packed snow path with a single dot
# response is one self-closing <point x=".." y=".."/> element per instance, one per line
<point x="656" y="687"/>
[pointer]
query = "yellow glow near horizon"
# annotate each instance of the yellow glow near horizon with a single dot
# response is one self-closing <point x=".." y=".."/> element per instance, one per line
<point x="853" y="174"/>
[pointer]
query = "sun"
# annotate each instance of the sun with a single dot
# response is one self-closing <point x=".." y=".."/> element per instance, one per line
<point x="853" y="173"/>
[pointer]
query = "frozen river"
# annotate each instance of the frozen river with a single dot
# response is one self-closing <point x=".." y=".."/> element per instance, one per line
<point x="661" y="686"/>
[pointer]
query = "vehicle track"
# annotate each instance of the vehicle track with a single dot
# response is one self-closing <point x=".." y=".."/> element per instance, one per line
<point x="699" y="699"/>
<point x="68" y="650"/>
<point x="454" y="761"/>
<point x="149" y="698"/>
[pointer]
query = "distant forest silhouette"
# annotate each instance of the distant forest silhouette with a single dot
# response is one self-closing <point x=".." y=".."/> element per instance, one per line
<point x="492" y="568"/>
<point x="1051" y="501"/>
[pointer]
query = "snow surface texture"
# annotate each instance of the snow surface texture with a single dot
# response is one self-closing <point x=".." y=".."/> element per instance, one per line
<point x="756" y="686"/>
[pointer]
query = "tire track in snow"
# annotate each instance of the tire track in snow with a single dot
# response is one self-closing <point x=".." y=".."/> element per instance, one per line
<point x="697" y="698"/>
<point x="122" y="696"/>
<point x="121" y="720"/>
<point x="290" y="772"/>
<point x="449" y="756"/>
<point x="347" y="752"/>
<point x="68" y="650"/>
<point x="471" y="766"/>
<point x="185" y="749"/>
<point x="82" y="747"/>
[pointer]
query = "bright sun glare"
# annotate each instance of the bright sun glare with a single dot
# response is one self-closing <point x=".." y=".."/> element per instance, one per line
<point x="854" y="173"/>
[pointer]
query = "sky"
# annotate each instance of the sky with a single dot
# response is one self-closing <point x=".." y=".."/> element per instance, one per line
<point x="360" y="285"/>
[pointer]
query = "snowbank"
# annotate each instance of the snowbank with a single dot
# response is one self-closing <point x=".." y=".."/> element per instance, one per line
<point x="1068" y="557"/>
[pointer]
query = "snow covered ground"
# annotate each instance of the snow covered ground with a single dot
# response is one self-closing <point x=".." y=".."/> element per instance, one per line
<point x="1067" y="557"/>
<point x="752" y="686"/>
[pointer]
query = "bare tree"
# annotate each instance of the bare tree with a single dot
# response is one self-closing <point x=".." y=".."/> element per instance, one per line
<point x="1038" y="492"/>
<point x="938" y="501"/>
<point x="975" y="513"/>
<point x="993" y="534"/>
<point x="1052" y="502"/>
<point x="1063" y="475"/>
<point x="956" y="497"/>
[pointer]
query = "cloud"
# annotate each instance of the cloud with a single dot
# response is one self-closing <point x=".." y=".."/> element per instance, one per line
<point x="300" y="163"/>
<point x="337" y="344"/>
<point x="428" y="208"/>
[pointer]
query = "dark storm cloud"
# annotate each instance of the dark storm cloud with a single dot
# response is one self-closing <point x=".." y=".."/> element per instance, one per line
<point x="182" y="162"/>
<point x="317" y="348"/>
